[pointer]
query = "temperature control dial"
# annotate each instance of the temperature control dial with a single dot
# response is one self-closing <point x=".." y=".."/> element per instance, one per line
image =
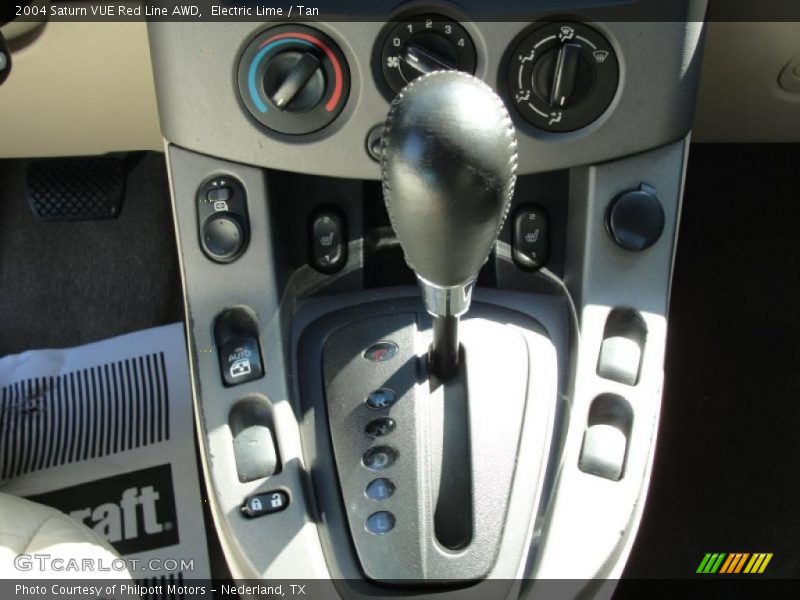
<point x="423" y="44"/>
<point x="293" y="79"/>
<point x="562" y="76"/>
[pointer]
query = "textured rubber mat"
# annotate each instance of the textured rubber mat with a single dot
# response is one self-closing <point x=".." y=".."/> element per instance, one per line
<point x="76" y="189"/>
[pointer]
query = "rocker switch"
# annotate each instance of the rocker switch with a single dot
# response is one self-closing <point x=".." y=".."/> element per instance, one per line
<point x="236" y="336"/>
<point x="328" y="237"/>
<point x="531" y="237"/>
<point x="265" y="503"/>
<point x="240" y="360"/>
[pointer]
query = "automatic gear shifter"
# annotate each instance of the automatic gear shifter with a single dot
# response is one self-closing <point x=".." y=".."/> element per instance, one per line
<point x="449" y="167"/>
<point x="427" y="465"/>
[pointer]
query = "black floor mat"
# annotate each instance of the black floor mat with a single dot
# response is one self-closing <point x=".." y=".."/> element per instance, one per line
<point x="67" y="283"/>
<point x="726" y="475"/>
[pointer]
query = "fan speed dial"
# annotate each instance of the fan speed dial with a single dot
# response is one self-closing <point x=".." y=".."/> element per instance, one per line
<point x="423" y="44"/>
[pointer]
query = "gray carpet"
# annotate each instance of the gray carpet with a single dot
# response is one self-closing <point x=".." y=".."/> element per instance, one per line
<point x="68" y="283"/>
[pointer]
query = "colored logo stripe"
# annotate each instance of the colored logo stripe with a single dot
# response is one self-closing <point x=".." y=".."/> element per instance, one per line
<point x="710" y="563"/>
<point x="734" y="562"/>
<point x="758" y="563"/>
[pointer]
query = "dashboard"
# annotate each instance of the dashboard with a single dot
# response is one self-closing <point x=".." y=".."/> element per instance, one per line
<point x="624" y="86"/>
<point x="92" y="89"/>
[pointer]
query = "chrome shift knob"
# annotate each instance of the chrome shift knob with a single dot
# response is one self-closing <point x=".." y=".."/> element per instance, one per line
<point x="449" y="166"/>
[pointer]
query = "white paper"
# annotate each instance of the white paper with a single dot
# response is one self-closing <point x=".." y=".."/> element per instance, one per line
<point x="115" y="418"/>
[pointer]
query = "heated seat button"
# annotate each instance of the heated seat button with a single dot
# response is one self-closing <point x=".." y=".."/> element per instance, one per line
<point x="328" y="237"/>
<point x="240" y="360"/>
<point x="265" y="504"/>
<point x="531" y="241"/>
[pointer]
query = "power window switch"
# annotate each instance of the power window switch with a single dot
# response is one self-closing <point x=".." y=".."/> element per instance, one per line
<point x="620" y="360"/>
<point x="605" y="441"/>
<point x="603" y="451"/>
<point x="622" y="348"/>
<point x="240" y="360"/>
<point x="254" y="451"/>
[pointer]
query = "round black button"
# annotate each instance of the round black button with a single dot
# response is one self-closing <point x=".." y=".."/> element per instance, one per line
<point x="382" y="398"/>
<point x="379" y="458"/>
<point x="223" y="236"/>
<point x="381" y="352"/>
<point x="635" y="219"/>
<point x="380" y="427"/>
<point x="381" y="522"/>
<point x="374" y="141"/>
<point x="380" y="489"/>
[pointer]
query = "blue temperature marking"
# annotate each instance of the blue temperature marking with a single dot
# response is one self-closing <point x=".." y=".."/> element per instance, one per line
<point x="251" y="74"/>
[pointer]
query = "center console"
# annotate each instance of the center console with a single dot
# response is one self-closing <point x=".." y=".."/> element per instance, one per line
<point x="356" y="430"/>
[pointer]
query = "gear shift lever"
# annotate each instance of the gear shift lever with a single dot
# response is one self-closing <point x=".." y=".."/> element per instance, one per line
<point x="449" y="167"/>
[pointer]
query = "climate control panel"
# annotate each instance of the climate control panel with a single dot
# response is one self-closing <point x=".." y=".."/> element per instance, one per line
<point x="560" y="76"/>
